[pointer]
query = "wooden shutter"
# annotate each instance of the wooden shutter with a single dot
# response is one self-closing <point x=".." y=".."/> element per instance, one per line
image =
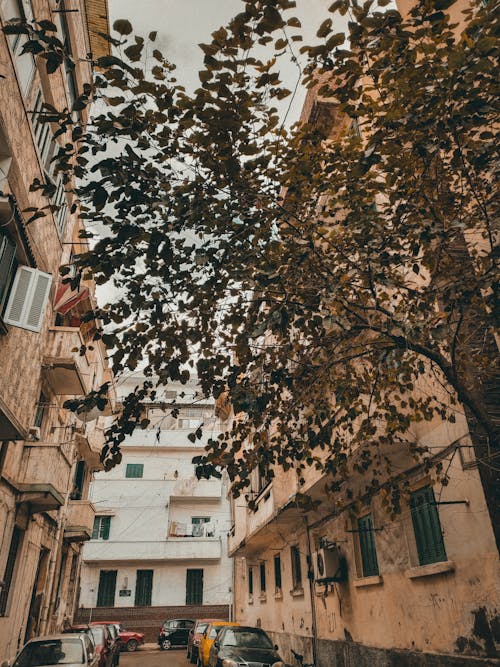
<point x="135" y="470"/>
<point x="427" y="527"/>
<point x="7" y="257"/>
<point x="262" y="577"/>
<point x="95" y="530"/>
<point x="277" y="572"/>
<point x="367" y="546"/>
<point x="107" y="588"/>
<point x="194" y="586"/>
<point x="143" y="588"/>
<point x="28" y="298"/>
<point x="105" y="526"/>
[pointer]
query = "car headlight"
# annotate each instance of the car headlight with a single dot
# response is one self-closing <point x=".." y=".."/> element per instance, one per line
<point x="227" y="662"/>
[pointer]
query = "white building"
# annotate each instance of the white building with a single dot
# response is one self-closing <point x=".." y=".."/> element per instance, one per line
<point x="160" y="534"/>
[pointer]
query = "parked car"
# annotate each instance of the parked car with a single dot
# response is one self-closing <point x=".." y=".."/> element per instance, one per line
<point x="243" y="645"/>
<point x="207" y="640"/>
<point x="115" y="640"/>
<point x="175" y="633"/>
<point x="129" y="640"/>
<point x="102" y="639"/>
<point x="72" y="650"/>
<point x="194" y="637"/>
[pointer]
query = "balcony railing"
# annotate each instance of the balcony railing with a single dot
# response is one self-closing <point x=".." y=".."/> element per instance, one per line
<point x="79" y="521"/>
<point x="175" y="549"/>
<point x="67" y="371"/>
<point x="192" y="489"/>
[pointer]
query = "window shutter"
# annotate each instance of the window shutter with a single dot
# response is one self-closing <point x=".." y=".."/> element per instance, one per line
<point x="367" y="546"/>
<point x="427" y="527"/>
<point x="95" y="530"/>
<point x="7" y="256"/>
<point x="105" y="526"/>
<point x="28" y="298"/>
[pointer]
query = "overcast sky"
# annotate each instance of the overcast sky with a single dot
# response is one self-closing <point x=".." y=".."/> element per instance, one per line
<point x="183" y="24"/>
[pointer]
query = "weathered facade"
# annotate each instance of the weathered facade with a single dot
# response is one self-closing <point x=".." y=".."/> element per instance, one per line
<point x="47" y="455"/>
<point x="356" y="588"/>
<point x="159" y="547"/>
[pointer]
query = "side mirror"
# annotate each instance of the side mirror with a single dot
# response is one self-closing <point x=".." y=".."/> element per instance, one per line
<point x="216" y="644"/>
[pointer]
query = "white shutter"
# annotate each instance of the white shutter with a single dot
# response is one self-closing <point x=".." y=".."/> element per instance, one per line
<point x="28" y="298"/>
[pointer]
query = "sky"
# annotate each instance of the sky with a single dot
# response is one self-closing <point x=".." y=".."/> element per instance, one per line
<point x="183" y="24"/>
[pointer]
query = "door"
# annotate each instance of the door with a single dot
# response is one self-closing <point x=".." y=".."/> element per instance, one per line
<point x="107" y="588"/>
<point x="194" y="587"/>
<point x="143" y="588"/>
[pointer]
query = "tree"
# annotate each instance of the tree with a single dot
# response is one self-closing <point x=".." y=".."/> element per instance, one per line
<point x="316" y="276"/>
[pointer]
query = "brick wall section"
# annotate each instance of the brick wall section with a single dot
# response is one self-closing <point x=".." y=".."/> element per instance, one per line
<point x="150" y="619"/>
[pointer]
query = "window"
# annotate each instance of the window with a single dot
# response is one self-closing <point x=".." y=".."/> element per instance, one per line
<point x="78" y="482"/>
<point x="367" y="546"/>
<point x="277" y="572"/>
<point x="250" y="581"/>
<point x="40" y="410"/>
<point x="28" y="298"/>
<point x="427" y="527"/>
<point x="102" y="525"/>
<point x="296" y="568"/>
<point x="143" y="588"/>
<point x="262" y="568"/>
<point x="45" y="142"/>
<point x="18" y="11"/>
<point x="9" y="570"/>
<point x="107" y="588"/>
<point x="199" y="525"/>
<point x="134" y="470"/>
<point x="60" y="204"/>
<point x="194" y="586"/>
<point x="63" y="28"/>
<point x="7" y="266"/>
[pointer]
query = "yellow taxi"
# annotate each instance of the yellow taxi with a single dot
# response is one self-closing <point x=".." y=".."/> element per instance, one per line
<point x="207" y="640"/>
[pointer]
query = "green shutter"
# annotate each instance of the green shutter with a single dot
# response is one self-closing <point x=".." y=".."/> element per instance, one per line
<point x="143" y="588"/>
<point x="95" y="530"/>
<point x="367" y="546"/>
<point x="194" y="586"/>
<point x="107" y="588"/>
<point x="105" y="526"/>
<point x="427" y="527"/>
<point x="134" y="470"/>
<point x="277" y="572"/>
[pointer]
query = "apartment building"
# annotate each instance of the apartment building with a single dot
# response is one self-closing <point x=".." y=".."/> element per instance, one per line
<point x="353" y="586"/>
<point x="47" y="455"/>
<point x="159" y="544"/>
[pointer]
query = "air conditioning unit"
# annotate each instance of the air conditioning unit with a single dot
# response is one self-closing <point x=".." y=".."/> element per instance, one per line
<point x="34" y="433"/>
<point x="329" y="564"/>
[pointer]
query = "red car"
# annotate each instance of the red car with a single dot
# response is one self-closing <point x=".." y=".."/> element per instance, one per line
<point x="129" y="640"/>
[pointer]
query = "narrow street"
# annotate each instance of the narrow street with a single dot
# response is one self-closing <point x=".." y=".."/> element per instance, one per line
<point x="149" y="656"/>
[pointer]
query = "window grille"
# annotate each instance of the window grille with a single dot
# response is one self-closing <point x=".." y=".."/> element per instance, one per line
<point x="107" y="588"/>
<point x="194" y="586"/>
<point x="367" y="546"/>
<point x="134" y="470"/>
<point x="143" y="588"/>
<point x="427" y="527"/>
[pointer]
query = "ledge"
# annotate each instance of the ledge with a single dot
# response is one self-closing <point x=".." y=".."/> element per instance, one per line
<point x="297" y="592"/>
<point x="430" y="570"/>
<point x="374" y="580"/>
<point x="278" y="595"/>
<point x="263" y="597"/>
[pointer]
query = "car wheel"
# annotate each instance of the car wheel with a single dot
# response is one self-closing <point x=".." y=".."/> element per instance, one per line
<point x="132" y="645"/>
<point x="166" y="644"/>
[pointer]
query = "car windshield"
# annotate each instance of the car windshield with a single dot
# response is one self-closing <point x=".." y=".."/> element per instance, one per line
<point x="98" y="635"/>
<point x="51" y="652"/>
<point x="247" y="639"/>
<point x="201" y="627"/>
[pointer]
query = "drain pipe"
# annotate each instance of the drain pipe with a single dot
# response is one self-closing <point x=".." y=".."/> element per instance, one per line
<point x="310" y="577"/>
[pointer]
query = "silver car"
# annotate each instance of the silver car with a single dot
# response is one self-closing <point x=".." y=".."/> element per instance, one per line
<point x="73" y="650"/>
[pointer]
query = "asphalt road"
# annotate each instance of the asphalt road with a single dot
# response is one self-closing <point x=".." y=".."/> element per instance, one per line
<point x="153" y="657"/>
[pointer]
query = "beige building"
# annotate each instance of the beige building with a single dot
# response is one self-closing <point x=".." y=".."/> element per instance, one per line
<point x="355" y="587"/>
<point x="47" y="455"/>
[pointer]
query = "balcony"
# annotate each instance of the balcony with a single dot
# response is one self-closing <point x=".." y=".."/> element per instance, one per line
<point x="193" y="489"/>
<point x="46" y="464"/>
<point x="67" y="372"/>
<point x="79" y="521"/>
<point x="173" y="549"/>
